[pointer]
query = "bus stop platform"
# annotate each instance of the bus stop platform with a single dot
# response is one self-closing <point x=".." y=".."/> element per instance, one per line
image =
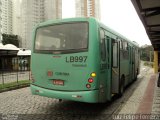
<point x="145" y="100"/>
<point x="150" y="103"/>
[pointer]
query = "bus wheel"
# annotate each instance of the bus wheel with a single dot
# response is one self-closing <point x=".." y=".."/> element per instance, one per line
<point x="136" y="74"/>
<point x="121" y="88"/>
<point x="60" y="100"/>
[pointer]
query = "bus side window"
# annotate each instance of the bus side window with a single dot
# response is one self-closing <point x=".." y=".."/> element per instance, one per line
<point x="125" y="45"/>
<point x="121" y="44"/>
<point x="102" y="45"/>
<point x="107" y="40"/>
<point x="115" y="53"/>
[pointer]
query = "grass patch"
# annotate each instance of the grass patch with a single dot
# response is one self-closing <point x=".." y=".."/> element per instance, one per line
<point x="14" y="85"/>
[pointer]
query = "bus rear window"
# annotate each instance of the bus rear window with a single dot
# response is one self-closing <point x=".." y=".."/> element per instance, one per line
<point x="68" y="37"/>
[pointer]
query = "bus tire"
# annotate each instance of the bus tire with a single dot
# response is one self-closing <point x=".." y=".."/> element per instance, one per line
<point x="60" y="100"/>
<point x="136" y="75"/>
<point x="121" y="86"/>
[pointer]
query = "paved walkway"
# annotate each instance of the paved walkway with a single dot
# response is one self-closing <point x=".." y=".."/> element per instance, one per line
<point x="144" y="104"/>
<point x="132" y="104"/>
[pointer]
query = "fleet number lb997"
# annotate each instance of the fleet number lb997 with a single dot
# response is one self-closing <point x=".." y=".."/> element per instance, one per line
<point x="76" y="59"/>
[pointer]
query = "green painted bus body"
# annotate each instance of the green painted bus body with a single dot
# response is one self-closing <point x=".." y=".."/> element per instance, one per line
<point x="75" y="67"/>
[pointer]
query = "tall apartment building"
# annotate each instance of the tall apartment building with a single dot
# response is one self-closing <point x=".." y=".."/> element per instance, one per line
<point x="16" y="17"/>
<point x="36" y="11"/>
<point x="32" y="12"/>
<point x="20" y="16"/>
<point x="6" y="16"/>
<point x="88" y="8"/>
<point x="52" y="9"/>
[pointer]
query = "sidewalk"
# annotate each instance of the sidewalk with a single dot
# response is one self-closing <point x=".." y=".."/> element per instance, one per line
<point x="145" y="106"/>
<point x="146" y="98"/>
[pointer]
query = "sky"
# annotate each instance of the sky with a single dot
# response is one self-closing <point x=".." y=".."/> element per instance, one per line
<point x="119" y="15"/>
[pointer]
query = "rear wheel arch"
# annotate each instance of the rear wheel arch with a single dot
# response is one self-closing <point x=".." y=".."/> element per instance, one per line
<point x="121" y="85"/>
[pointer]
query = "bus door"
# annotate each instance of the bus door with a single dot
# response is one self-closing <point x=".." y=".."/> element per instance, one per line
<point x="133" y="63"/>
<point x="105" y="86"/>
<point x="115" y="66"/>
<point x="130" y="63"/>
<point x="108" y="43"/>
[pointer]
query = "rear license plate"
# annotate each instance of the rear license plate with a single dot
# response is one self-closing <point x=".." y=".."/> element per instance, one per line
<point x="58" y="82"/>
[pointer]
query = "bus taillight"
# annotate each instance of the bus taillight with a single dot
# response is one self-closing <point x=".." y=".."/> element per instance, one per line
<point x="93" y="74"/>
<point x="90" y="80"/>
<point x="88" y="85"/>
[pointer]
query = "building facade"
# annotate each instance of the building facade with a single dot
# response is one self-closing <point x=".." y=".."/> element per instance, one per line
<point x="6" y="16"/>
<point x="88" y="8"/>
<point x="19" y="17"/>
<point x="16" y="17"/>
<point x="34" y="12"/>
<point x="52" y="9"/>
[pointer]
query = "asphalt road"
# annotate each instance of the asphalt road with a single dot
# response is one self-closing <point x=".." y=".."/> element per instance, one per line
<point x="21" y="104"/>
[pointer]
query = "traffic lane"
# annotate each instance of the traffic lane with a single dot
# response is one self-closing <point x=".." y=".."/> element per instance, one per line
<point x="22" y="102"/>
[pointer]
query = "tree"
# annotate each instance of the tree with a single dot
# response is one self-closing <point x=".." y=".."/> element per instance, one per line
<point x="10" y="39"/>
<point x="147" y="53"/>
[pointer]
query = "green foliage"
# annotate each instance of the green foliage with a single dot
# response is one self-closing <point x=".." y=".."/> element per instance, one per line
<point x="10" y="39"/>
<point x="147" y="53"/>
<point x="12" y="85"/>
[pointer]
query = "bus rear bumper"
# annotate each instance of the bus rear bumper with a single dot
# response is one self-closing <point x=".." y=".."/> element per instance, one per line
<point x="82" y="96"/>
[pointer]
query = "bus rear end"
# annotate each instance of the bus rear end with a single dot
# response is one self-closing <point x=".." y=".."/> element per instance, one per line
<point x="64" y="64"/>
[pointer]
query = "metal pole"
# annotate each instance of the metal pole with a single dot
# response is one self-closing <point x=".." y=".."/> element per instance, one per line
<point x="2" y="71"/>
<point x="2" y="78"/>
<point x="17" y="70"/>
<point x="28" y="59"/>
<point x="155" y="61"/>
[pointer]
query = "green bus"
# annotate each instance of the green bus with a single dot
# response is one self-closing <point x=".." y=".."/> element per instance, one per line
<point x="80" y="59"/>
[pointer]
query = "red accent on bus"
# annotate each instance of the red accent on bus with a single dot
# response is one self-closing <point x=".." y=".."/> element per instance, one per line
<point x="49" y="73"/>
<point x="88" y="85"/>
<point x="90" y="80"/>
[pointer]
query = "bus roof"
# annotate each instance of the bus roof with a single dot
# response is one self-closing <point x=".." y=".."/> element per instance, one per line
<point x="118" y="34"/>
<point x="56" y="21"/>
<point x="64" y="21"/>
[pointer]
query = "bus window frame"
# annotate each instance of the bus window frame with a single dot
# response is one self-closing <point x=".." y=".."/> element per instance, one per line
<point x="116" y="43"/>
<point x="102" y="44"/>
<point x="62" y="51"/>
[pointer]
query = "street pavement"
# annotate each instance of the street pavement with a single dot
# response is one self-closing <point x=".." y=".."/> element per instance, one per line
<point x="132" y="104"/>
<point x="20" y="104"/>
